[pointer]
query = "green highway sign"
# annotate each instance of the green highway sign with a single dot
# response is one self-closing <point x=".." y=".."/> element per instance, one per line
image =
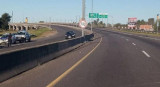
<point x="98" y="15"/>
<point x="102" y="15"/>
<point x="92" y="15"/>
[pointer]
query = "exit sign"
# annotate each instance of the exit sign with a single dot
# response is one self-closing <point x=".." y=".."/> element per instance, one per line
<point x="98" y="15"/>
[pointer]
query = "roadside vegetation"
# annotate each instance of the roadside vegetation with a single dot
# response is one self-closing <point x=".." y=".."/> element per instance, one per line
<point x="42" y="32"/>
<point x="97" y="24"/>
<point x="154" y="34"/>
<point x="139" y="22"/>
<point x="4" y="20"/>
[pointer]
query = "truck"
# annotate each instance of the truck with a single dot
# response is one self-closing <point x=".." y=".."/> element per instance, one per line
<point x="23" y="36"/>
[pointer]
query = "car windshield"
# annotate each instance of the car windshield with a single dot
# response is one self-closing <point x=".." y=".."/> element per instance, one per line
<point x="21" y="33"/>
<point x="70" y="32"/>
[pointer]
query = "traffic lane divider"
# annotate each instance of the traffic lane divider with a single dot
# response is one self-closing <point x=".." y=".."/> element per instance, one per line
<point x="19" y="61"/>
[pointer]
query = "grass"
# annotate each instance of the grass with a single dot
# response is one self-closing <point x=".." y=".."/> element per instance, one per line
<point x="36" y="33"/>
<point x="39" y="32"/>
<point x="140" y="33"/>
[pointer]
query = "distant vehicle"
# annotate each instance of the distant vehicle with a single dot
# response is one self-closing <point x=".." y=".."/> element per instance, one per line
<point x="23" y="36"/>
<point x="4" y="39"/>
<point x="70" y="34"/>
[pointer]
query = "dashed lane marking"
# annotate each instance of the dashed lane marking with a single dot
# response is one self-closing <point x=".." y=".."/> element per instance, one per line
<point x="134" y="44"/>
<point x="145" y="53"/>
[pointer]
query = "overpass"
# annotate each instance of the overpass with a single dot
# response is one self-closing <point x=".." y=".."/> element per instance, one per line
<point x="27" y="26"/>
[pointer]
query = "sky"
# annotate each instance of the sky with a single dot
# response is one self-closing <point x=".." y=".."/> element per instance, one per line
<point x="69" y="10"/>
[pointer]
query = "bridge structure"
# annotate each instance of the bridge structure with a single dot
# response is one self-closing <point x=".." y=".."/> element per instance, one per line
<point x="27" y="26"/>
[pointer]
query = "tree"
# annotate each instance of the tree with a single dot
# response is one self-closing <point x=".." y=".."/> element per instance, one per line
<point x="4" y="20"/>
<point x="117" y="25"/>
<point x="97" y="23"/>
<point x="0" y="23"/>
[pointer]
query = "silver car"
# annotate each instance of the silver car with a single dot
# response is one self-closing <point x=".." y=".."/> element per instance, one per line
<point x="4" y="39"/>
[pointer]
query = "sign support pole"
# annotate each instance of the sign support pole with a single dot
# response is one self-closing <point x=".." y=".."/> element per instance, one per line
<point x="157" y="22"/>
<point x="92" y="19"/>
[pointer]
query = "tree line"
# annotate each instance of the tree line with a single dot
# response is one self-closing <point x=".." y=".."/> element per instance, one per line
<point x="4" y="20"/>
<point x="97" y="23"/>
<point x="139" y="22"/>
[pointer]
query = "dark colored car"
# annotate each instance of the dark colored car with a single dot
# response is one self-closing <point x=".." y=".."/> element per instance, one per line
<point x="70" y="34"/>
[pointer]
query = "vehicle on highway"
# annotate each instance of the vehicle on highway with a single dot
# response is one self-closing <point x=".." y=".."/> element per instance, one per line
<point x="4" y="39"/>
<point x="23" y="36"/>
<point x="70" y="34"/>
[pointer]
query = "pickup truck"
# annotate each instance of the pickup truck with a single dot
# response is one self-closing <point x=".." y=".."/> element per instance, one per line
<point x="23" y="36"/>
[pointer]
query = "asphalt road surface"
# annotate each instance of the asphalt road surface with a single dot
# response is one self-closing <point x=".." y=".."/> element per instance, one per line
<point x="58" y="37"/>
<point x="110" y="60"/>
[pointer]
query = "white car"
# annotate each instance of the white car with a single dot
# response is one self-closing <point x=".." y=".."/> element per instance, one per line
<point x="23" y="36"/>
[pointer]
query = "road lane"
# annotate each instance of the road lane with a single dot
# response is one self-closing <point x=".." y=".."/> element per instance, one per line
<point x="116" y="63"/>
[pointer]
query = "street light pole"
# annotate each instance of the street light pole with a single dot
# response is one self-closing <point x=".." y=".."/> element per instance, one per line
<point x="157" y="22"/>
<point x="112" y="21"/>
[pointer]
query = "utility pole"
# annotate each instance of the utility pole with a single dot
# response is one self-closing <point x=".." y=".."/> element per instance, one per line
<point x="157" y="22"/>
<point x="12" y="16"/>
<point x="83" y="14"/>
<point x="50" y="19"/>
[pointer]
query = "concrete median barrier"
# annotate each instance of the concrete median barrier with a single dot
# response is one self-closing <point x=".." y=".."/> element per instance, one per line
<point x="17" y="62"/>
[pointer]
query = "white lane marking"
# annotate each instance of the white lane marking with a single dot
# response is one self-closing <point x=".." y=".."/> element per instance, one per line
<point x="134" y="44"/>
<point x="146" y="54"/>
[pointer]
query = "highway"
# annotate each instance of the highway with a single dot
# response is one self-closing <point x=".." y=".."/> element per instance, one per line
<point x="58" y="37"/>
<point x="110" y="60"/>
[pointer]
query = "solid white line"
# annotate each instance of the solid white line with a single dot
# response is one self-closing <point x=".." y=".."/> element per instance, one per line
<point x="146" y="54"/>
<point x="134" y="44"/>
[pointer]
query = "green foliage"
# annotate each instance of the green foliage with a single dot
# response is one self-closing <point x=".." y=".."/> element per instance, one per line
<point x="141" y="22"/>
<point x="0" y="23"/>
<point x="4" y="20"/>
<point x="97" y="23"/>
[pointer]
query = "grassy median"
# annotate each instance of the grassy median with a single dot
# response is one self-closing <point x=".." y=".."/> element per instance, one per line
<point x="42" y="32"/>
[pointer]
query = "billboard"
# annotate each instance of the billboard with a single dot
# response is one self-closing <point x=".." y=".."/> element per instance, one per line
<point x="132" y="23"/>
